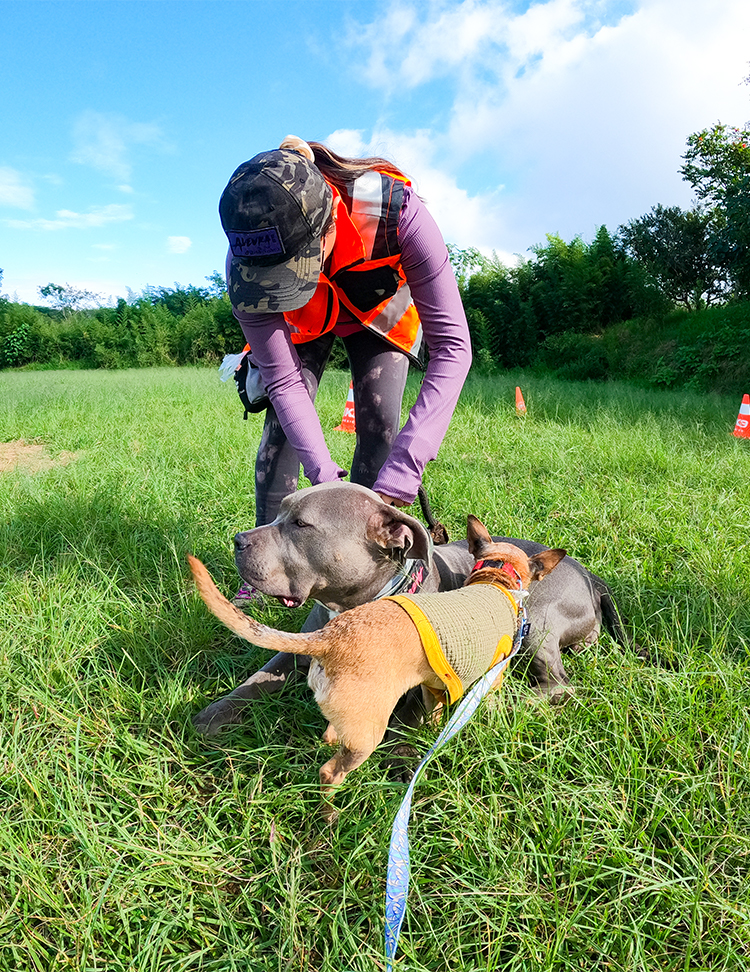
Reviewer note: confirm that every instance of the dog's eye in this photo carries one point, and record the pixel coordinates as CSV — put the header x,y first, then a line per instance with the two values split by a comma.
x,y
301,523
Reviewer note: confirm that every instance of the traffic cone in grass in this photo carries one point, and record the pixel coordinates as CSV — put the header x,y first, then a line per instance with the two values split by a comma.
x,y
520,403
347,422
742,428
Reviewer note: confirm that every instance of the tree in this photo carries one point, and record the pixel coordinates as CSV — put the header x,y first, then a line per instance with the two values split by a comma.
x,y
675,247
218,286
501,322
717,166
584,287
467,262
68,299
178,299
717,162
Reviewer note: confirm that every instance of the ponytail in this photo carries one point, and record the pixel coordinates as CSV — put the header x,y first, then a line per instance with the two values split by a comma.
x,y
340,170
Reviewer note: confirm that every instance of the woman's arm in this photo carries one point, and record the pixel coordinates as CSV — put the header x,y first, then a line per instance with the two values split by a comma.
x,y
435,293
279,364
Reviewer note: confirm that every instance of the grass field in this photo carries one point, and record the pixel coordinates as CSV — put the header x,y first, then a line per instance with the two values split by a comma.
x,y
609,834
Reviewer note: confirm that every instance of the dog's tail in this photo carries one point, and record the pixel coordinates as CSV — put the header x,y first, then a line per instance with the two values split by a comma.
x,y
613,621
247,627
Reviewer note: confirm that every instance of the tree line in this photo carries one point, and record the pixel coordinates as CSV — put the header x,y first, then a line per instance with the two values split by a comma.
x,y
160,326
571,307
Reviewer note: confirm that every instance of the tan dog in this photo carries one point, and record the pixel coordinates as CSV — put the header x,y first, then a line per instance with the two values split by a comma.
x,y
366,658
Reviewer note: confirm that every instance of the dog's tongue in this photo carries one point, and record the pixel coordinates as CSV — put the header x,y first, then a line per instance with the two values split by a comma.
x,y
289,602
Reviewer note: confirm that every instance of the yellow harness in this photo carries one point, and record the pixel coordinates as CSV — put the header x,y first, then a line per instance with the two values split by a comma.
x,y
463,632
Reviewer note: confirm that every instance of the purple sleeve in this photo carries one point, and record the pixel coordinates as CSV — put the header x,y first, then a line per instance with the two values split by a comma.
x,y
275,356
435,292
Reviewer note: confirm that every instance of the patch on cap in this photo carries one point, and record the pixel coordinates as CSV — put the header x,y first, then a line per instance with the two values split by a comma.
x,y
256,243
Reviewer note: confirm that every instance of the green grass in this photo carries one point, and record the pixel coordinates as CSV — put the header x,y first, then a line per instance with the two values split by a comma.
x,y
610,834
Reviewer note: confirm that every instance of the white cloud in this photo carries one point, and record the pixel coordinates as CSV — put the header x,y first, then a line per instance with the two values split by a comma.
x,y
463,219
106,140
67,219
411,45
14,190
595,134
347,142
568,115
179,244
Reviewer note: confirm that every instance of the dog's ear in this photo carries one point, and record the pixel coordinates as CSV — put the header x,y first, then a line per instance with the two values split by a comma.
x,y
392,529
542,563
478,536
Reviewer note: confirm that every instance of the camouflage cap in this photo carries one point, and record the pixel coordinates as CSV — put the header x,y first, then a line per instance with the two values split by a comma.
x,y
274,210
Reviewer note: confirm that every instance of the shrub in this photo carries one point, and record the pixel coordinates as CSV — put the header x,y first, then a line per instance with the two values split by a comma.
x,y
578,357
16,334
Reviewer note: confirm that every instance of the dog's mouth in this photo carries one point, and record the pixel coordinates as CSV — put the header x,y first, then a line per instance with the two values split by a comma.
x,y
290,602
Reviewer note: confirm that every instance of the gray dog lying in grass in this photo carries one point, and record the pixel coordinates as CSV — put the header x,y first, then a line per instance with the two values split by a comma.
x,y
339,544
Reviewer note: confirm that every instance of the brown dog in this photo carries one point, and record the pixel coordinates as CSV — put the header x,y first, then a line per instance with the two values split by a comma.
x,y
366,658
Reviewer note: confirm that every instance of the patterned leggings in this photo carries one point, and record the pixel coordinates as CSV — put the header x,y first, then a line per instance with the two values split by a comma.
x,y
379,377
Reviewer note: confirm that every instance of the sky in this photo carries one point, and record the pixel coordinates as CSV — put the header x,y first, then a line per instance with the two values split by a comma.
x,y
121,121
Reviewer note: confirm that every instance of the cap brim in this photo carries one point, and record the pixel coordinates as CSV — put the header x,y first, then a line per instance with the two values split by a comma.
x,y
274,290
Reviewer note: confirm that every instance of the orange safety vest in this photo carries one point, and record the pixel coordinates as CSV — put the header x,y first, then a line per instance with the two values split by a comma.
x,y
365,274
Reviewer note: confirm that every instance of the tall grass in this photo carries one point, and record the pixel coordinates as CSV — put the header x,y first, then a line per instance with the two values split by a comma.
x,y
611,833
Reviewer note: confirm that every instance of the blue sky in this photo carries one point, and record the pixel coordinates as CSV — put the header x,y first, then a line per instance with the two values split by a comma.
x,y
121,121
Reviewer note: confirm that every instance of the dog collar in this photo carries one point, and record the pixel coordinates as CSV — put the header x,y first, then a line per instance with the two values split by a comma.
x,y
502,565
408,580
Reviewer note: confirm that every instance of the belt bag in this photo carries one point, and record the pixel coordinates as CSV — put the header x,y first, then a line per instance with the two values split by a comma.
x,y
247,378
250,387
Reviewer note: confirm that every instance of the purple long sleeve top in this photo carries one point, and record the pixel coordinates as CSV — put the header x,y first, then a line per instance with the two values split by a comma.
x,y
428,272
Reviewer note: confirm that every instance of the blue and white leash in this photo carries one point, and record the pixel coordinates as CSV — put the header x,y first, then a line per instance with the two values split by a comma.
x,y
397,881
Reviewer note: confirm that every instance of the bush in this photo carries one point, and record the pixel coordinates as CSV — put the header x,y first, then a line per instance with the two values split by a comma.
x,y
577,357
706,350
207,332
16,334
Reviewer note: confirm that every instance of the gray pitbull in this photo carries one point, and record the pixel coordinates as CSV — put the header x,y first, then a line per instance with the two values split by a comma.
x,y
341,545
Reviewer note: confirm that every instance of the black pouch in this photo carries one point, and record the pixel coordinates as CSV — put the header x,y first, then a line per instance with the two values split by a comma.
x,y
366,288
250,387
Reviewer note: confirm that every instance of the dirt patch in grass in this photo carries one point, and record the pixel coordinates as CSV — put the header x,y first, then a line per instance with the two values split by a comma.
x,y
30,458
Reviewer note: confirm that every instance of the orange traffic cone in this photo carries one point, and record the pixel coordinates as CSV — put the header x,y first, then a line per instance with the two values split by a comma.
x,y
520,403
347,422
742,428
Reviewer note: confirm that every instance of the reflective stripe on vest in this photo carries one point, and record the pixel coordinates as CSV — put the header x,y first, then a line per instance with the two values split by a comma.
x,y
367,200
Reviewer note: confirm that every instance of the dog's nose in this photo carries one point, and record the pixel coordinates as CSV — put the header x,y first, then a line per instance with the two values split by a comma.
x,y
240,541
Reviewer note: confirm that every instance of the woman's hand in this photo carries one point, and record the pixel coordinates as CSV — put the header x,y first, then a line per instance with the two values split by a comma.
x,y
391,500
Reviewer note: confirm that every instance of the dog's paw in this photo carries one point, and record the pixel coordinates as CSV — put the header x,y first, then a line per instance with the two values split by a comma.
x,y
557,694
210,721
330,737
401,762
328,812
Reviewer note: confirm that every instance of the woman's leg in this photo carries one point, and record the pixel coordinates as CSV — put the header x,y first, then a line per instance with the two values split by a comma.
x,y
277,464
379,376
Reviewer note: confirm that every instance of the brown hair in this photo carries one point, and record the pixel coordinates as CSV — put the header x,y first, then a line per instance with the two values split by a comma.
x,y
339,170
